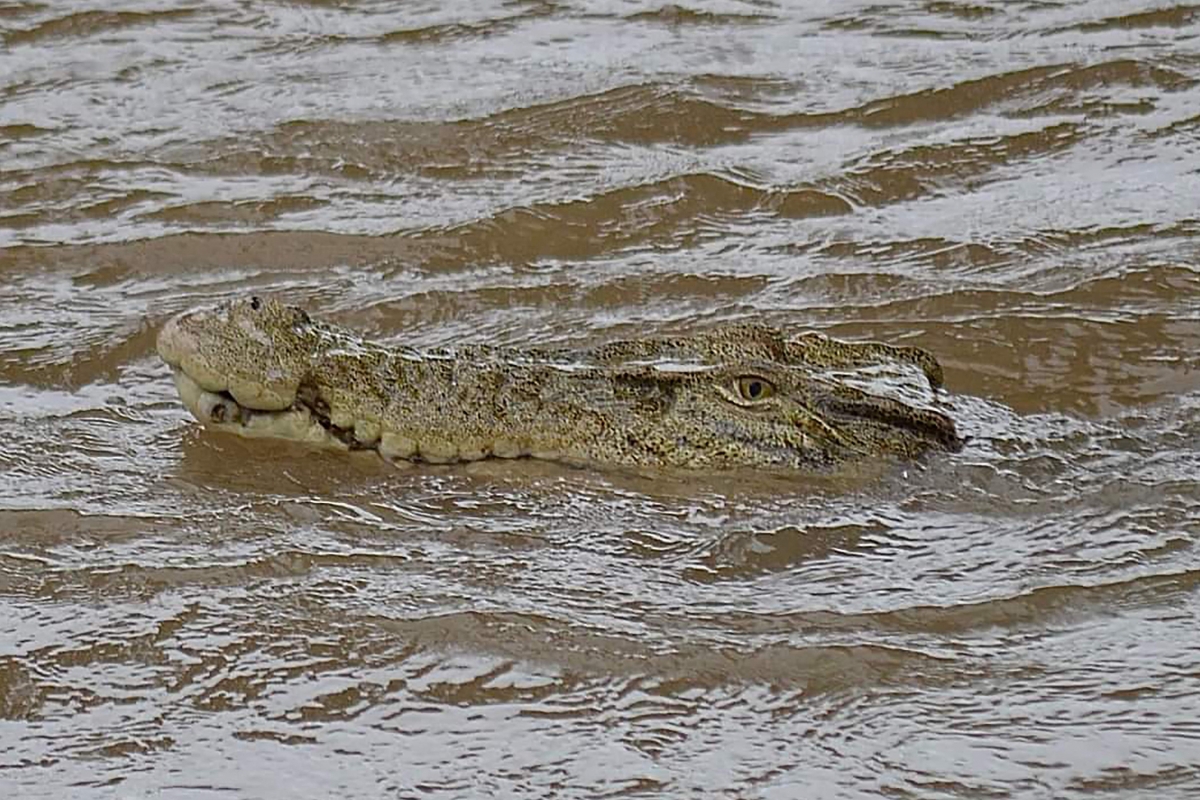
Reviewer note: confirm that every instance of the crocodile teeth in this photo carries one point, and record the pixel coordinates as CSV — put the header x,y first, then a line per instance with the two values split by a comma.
x,y
217,408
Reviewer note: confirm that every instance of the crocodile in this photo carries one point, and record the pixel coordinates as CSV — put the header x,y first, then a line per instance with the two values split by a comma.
x,y
743,395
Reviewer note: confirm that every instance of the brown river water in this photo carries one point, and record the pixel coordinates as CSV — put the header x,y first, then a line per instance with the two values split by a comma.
x,y
1013,185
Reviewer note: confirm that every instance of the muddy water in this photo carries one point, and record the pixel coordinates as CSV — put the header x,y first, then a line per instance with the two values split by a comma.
x,y
1012,185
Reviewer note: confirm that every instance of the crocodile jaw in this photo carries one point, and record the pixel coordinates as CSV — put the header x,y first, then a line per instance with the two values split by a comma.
x,y
221,411
261,408
264,370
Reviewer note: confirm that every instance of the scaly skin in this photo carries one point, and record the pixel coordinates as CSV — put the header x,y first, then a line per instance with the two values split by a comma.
x,y
740,396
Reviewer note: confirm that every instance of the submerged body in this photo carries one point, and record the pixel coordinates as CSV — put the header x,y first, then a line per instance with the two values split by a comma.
x,y
744,395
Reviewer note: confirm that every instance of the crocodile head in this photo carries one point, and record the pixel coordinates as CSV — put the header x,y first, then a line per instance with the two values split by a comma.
x,y
238,367
256,351
740,396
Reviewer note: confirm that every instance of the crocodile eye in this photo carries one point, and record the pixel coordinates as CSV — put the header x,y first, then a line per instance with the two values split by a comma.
x,y
753,388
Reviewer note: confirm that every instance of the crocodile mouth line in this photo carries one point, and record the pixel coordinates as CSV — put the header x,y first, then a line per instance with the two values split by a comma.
x,y
307,419
308,398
